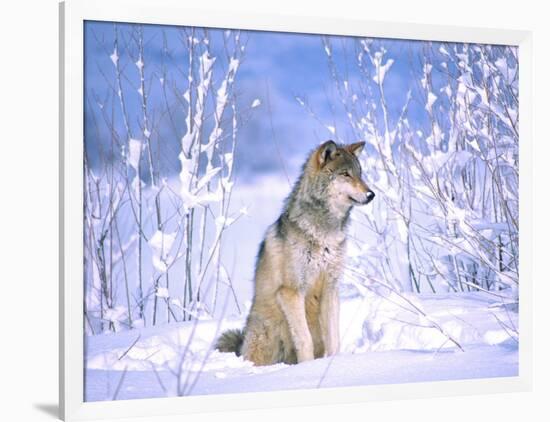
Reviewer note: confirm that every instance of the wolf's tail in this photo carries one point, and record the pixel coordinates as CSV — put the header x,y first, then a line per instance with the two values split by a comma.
x,y
231,341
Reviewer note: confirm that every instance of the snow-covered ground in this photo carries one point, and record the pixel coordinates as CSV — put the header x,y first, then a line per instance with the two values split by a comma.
x,y
386,338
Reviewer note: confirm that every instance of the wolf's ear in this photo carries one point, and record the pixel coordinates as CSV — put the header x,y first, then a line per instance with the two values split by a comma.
x,y
355,148
325,153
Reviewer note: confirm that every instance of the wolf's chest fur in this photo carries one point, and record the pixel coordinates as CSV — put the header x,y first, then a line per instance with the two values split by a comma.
x,y
314,256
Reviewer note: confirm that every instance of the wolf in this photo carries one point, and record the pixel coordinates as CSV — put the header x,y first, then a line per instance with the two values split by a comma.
x,y
294,315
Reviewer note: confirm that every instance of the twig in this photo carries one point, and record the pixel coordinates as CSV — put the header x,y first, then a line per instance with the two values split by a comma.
x,y
129,348
122,377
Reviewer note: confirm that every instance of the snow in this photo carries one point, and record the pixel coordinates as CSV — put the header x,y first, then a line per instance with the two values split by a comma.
x,y
221,99
256,103
134,153
382,341
228,158
381,69
162,242
233,65
193,199
159,264
114,57
496,336
502,66
209,174
222,222
114,314
206,65
163,292
430,101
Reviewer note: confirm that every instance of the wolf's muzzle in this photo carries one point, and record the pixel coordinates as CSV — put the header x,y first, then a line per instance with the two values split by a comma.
x,y
365,199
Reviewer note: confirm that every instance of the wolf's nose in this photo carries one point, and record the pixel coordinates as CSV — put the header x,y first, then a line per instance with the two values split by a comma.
x,y
370,195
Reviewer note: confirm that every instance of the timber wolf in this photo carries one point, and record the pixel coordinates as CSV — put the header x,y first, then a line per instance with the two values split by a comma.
x,y
295,311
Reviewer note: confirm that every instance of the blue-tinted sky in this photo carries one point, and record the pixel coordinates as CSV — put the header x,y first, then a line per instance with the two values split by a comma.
x,y
276,68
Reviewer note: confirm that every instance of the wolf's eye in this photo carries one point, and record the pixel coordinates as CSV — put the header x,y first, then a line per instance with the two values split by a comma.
x,y
346,174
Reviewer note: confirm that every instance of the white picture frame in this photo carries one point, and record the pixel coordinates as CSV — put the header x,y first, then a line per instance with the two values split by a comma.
x,y
73,13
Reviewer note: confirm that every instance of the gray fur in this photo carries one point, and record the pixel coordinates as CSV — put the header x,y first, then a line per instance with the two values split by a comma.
x,y
231,341
295,311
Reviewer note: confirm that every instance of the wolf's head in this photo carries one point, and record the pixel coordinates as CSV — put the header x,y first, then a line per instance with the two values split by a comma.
x,y
338,173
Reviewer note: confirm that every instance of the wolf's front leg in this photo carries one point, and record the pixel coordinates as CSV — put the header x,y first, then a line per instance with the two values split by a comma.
x,y
292,303
329,318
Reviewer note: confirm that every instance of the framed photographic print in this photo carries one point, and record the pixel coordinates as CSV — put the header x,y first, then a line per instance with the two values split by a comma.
x,y
263,210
